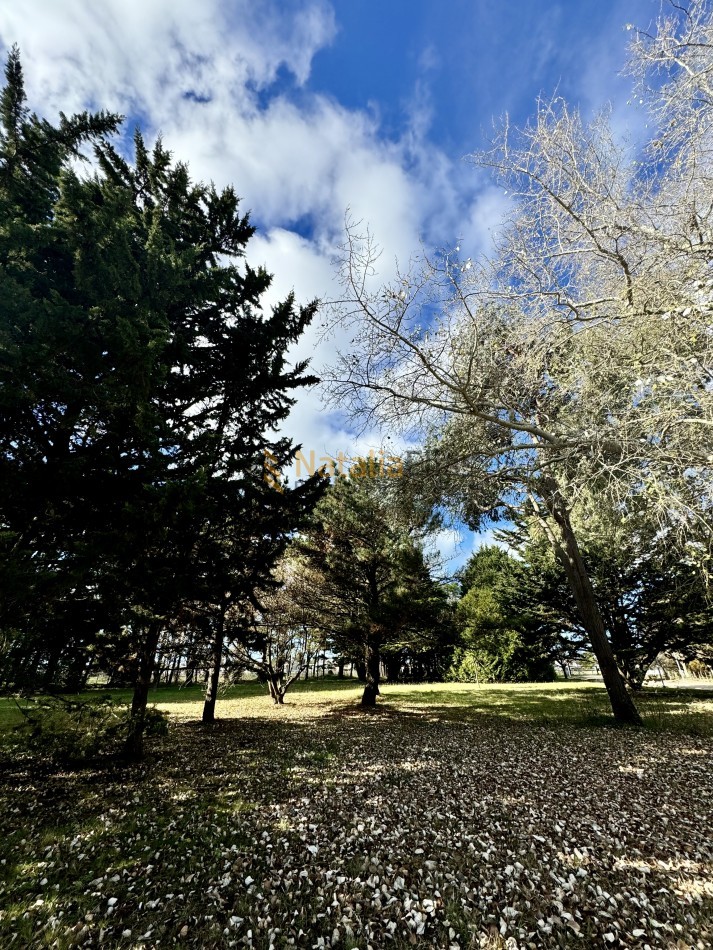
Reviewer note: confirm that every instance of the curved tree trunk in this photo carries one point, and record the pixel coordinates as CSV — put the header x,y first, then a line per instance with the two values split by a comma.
x,y
569,555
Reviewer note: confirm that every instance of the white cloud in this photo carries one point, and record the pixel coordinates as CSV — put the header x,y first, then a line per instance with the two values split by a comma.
x,y
139,55
306,267
487,538
486,214
210,78
227,84
295,263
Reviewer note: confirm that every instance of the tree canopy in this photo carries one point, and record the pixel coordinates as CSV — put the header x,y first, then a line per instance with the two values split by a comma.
x,y
142,383
369,580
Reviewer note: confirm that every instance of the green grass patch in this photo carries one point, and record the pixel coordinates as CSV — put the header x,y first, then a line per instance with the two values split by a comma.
x,y
574,703
581,703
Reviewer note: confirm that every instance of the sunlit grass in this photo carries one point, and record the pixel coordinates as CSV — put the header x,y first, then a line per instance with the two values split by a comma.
x,y
583,703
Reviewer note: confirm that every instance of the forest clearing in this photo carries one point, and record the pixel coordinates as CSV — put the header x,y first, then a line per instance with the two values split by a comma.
x,y
356,475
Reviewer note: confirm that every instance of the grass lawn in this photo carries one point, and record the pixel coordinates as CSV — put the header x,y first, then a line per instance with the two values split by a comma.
x,y
452,816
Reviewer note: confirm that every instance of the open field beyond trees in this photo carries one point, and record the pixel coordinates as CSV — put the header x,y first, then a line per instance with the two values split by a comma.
x,y
451,816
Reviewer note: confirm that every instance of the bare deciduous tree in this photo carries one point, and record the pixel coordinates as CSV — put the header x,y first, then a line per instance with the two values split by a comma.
x,y
269,641
579,354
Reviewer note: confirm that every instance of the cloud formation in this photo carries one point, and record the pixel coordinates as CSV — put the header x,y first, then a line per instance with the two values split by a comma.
x,y
228,85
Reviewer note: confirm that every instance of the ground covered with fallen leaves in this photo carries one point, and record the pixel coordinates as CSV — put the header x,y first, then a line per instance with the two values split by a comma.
x,y
438,820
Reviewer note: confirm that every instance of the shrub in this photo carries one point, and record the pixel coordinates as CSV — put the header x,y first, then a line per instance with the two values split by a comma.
x,y
699,668
75,731
519,665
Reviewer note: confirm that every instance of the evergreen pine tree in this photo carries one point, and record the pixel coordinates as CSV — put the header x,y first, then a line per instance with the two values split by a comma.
x,y
143,382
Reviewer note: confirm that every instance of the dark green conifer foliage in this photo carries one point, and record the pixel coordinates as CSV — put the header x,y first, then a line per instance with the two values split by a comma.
x,y
142,381
371,583
42,341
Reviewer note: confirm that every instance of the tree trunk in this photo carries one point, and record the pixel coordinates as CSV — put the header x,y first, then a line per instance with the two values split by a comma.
x,y
134,746
340,668
570,557
192,661
372,666
173,671
158,671
211,694
50,675
78,673
393,668
360,667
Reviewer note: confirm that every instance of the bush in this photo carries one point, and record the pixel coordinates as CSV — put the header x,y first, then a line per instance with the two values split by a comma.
x,y
519,665
75,731
467,667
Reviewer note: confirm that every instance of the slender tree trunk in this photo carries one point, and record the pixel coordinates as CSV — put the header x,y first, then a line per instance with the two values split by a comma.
x,y
340,668
393,668
211,694
360,667
570,557
159,667
372,663
191,660
134,746
172,670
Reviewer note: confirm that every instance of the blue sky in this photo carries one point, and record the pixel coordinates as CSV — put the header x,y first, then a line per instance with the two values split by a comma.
x,y
469,61
309,107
